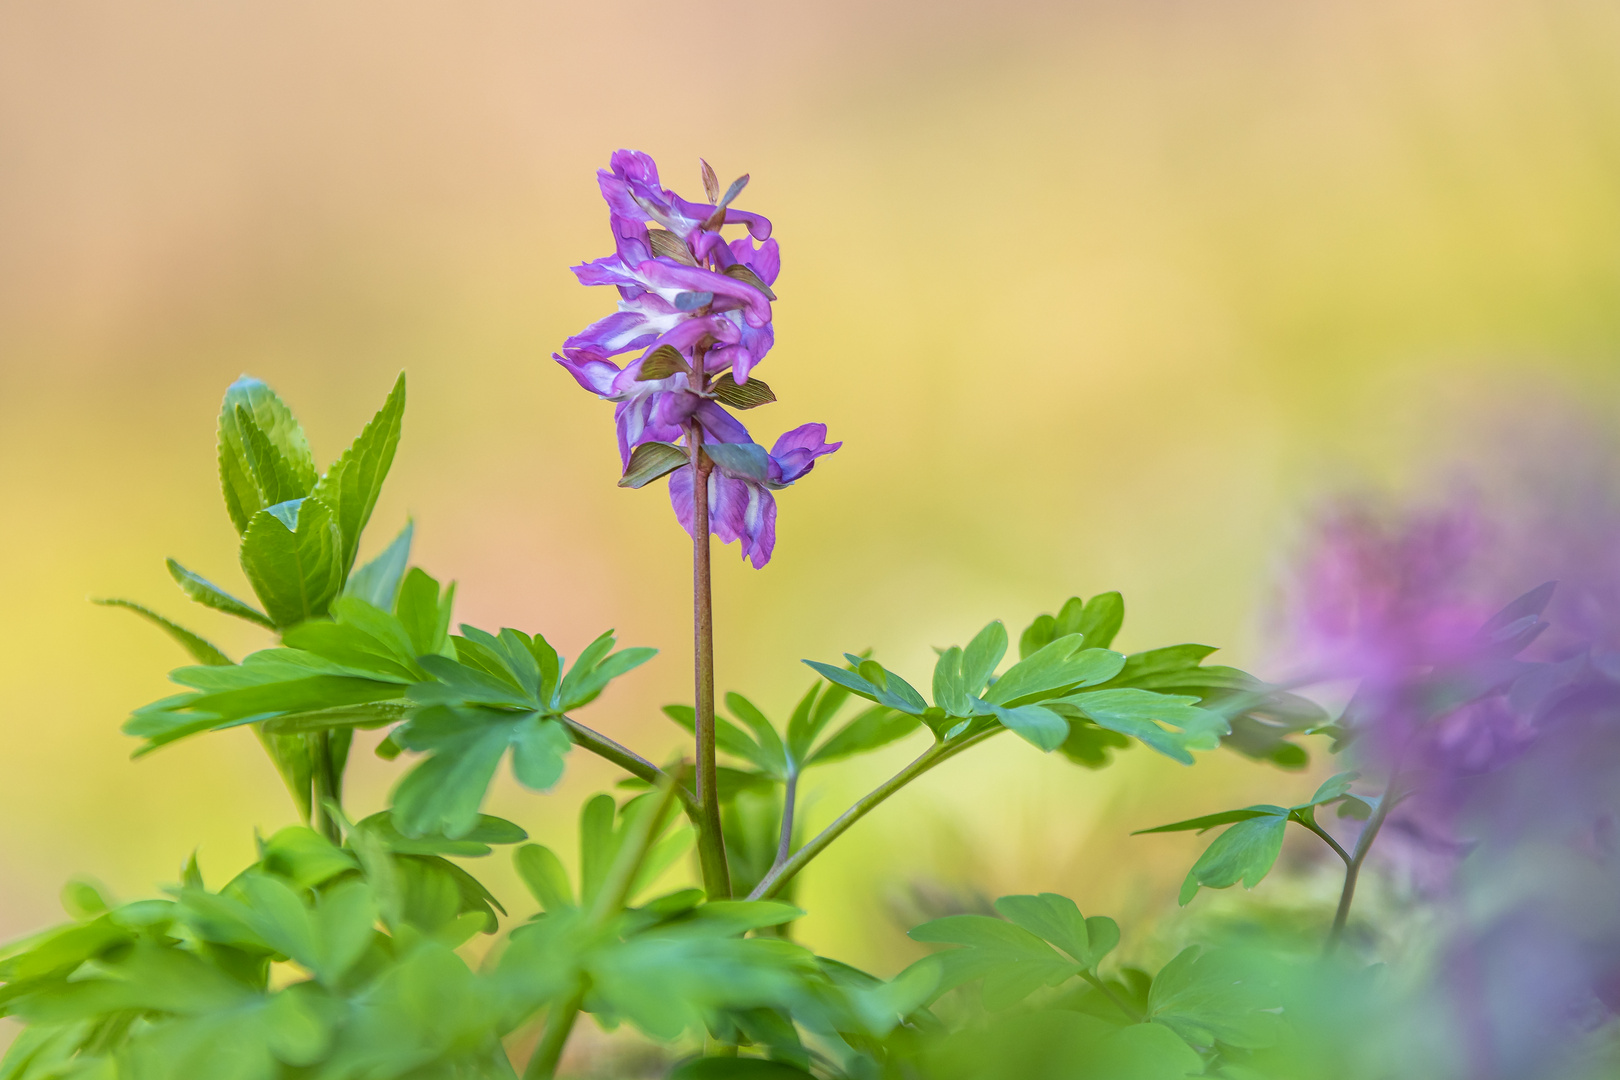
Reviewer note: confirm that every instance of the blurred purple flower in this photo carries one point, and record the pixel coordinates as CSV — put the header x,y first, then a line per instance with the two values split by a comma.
x,y
740,486
684,287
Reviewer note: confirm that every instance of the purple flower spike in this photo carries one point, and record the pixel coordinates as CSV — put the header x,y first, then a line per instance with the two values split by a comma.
x,y
697,306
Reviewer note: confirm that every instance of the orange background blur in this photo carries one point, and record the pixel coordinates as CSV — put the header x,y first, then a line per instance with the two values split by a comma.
x,y
1098,296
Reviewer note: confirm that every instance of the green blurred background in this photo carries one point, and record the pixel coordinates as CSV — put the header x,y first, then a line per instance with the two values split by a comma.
x,y
1098,295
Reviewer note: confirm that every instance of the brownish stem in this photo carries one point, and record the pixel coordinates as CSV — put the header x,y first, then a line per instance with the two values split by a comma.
x,y
711,843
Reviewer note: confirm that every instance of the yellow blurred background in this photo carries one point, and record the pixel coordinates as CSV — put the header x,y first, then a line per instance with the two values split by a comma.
x,y
1098,295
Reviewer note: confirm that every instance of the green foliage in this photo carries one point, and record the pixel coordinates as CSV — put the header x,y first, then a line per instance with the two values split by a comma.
x,y
1014,955
334,956
1247,851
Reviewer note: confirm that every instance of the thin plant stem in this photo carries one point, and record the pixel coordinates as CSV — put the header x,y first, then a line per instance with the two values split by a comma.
x,y
1352,869
711,841
1338,849
1135,1014
628,760
610,900
775,881
790,794
559,1025
325,787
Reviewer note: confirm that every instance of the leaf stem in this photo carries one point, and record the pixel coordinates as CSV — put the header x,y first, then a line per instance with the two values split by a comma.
x,y
610,900
711,842
775,881
790,795
1310,823
325,787
1352,869
628,760
559,1025
1136,1015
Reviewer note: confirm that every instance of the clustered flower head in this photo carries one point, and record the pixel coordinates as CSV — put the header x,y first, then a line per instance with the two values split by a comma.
x,y
697,309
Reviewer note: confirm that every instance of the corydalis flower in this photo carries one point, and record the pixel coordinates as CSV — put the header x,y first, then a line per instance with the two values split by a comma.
x,y
740,486
681,285
699,308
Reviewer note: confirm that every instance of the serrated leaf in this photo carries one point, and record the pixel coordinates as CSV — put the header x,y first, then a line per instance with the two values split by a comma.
x,y
442,794
295,571
378,581
206,593
271,419
651,460
199,650
750,395
351,485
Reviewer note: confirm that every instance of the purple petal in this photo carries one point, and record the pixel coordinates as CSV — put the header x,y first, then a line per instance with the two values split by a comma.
x,y
673,278
797,450
589,368
719,425
766,261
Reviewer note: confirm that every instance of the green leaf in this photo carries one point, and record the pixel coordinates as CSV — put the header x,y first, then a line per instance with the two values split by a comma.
x,y
208,594
351,485
538,749
1087,744
1035,724
949,692
489,830
274,422
1101,620
1333,788
651,460
1218,995
1245,852
770,743
871,729
200,650
1057,920
664,361
1059,666
728,738
738,1068
545,877
1012,961
1142,715
294,567
1209,821
874,682
377,582
750,395
441,796
1036,636
983,655
741,459
595,668
425,614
